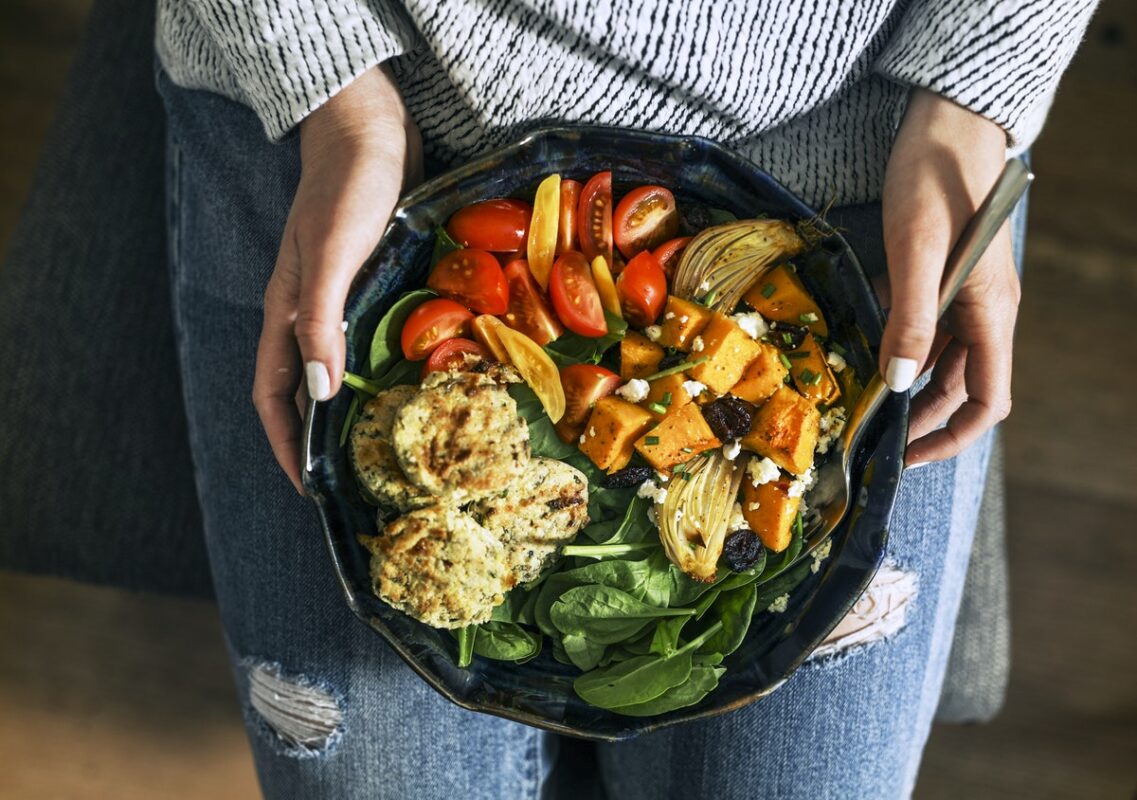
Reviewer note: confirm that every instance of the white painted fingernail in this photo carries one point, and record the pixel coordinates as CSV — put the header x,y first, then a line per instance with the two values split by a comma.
x,y
916,465
319,384
900,374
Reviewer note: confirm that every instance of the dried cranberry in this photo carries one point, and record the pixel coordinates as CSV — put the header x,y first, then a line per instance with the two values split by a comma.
x,y
671,358
787,336
628,476
728,417
742,549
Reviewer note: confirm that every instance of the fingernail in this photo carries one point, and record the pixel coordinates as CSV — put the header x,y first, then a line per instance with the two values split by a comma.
x,y
916,465
319,384
900,374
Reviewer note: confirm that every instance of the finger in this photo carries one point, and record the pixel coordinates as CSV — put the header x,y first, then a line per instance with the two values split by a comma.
x,y
916,251
278,376
945,392
987,377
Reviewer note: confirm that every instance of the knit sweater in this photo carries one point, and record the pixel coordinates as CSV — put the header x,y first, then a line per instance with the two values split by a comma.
x,y
811,90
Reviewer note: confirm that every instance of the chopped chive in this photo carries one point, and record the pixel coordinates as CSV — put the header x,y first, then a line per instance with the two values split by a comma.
x,y
688,450
787,379
658,408
683,365
806,376
788,338
666,398
807,317
816,379
768,290
838,349
798,354
710,298
785,361
652,440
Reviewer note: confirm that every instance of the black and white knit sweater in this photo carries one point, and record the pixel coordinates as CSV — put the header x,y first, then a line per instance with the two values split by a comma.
x,y
811,90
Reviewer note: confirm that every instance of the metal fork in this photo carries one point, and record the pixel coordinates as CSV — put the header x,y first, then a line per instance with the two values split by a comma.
x,y
830,494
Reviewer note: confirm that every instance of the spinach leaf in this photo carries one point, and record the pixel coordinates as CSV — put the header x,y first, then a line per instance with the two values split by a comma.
x,y
572,348
352,416
584,653
734,610
776,567
639,679
505,641
511,609
543,438
702,681
465,637
386,347
685,590
604,614
633,527
443,244
401,372
706,601
737,579
665,640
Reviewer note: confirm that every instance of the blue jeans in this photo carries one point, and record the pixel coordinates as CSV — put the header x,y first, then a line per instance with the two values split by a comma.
x,y
850,725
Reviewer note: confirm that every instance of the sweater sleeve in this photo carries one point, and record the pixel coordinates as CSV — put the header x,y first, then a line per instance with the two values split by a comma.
x,y
999,58
289,56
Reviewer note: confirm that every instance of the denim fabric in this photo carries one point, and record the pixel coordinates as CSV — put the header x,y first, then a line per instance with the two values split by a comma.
x,y
849,726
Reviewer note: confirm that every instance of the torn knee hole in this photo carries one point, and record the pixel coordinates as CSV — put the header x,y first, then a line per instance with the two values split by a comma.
x,y
303,714
879,614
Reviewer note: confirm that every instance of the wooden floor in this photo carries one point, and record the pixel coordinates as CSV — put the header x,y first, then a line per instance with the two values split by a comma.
x,y
108,694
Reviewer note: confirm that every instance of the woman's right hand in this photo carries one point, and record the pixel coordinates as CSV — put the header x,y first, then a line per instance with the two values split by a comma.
x,y
357,153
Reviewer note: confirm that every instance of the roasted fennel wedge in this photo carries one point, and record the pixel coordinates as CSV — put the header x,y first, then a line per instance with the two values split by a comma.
x,y
695,513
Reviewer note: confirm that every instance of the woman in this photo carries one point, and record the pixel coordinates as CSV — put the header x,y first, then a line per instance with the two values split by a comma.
x,y
912,105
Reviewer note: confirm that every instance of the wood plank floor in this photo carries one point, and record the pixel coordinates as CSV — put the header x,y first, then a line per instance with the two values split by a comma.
x,y
108,694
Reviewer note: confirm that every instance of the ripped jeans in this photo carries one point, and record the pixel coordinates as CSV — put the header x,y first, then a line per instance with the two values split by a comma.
x,y
332,712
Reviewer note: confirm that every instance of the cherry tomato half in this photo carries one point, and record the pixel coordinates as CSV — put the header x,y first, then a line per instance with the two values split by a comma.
x,y
584,384
452,353
500,225
566,231
642,287
528,312
431,324
574,296
669,253
645,218
594,217
473,278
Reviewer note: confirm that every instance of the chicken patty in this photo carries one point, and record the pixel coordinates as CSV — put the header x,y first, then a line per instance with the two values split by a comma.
x,y
461,437
377,470
440,566
544,509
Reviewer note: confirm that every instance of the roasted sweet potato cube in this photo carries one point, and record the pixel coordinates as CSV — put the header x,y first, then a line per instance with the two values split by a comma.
x,y
728,350
779,295
612,429
682,322
812,375
639,356
770,511
668,392
785,429
680,437
763,377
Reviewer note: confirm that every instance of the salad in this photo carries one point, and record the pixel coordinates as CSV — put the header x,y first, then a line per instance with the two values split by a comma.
x,y
593,431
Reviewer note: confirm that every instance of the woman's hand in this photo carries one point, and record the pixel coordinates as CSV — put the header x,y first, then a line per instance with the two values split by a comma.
x,y
357,151
943,163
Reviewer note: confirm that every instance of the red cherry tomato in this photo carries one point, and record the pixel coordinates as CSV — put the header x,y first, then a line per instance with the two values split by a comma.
x,y
669,253
452,353
528,312
473,278
566,230
575,297
431,324
594,217
642,287
497,225
645,218
584,384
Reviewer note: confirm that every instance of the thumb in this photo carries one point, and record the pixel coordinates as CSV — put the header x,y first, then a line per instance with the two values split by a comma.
x,y
324,283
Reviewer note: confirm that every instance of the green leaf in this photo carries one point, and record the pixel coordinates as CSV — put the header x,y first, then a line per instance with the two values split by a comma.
x,y
386,346
401,372
584,653
465,637
685,590
543,438
572,348
634,526
443,244
665,640
628,576
702,681
634,681
349,420
601,551
604,614
505,641
737,579
734,610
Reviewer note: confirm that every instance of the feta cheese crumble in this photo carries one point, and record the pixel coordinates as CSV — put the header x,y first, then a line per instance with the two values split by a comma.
x,y
832,424
730,450
836,360
694,388
705,285
649,489
653,332
801,483
634,390
781,602
752,324
737,520
697,344
819,555
762,471
669,315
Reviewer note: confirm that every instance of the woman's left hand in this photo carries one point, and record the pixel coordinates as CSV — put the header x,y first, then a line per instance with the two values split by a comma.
x,y
944,161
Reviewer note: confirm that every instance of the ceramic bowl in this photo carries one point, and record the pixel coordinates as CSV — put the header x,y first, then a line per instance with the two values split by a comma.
x,y
701,173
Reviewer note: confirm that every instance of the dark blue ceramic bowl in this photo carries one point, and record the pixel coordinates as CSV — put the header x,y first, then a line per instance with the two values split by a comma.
x,y
702,174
